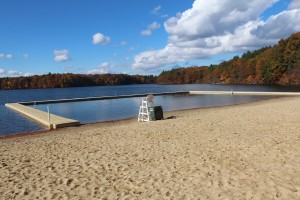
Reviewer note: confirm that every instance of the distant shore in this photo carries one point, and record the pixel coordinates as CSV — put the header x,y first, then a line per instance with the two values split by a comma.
x,y
248,151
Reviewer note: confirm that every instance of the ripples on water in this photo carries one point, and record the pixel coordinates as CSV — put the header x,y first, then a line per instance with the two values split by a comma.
x,y
11,122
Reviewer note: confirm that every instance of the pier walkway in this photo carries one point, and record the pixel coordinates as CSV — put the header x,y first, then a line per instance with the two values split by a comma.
x,y
43,117
247,93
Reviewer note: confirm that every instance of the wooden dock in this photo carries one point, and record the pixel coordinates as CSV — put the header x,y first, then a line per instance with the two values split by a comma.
x,y
99,98
246,93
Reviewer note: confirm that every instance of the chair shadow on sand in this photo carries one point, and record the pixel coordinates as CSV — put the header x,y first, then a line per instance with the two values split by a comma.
x,y
171,117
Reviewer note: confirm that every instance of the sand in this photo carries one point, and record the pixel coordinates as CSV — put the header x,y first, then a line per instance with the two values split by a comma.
x,y
249,151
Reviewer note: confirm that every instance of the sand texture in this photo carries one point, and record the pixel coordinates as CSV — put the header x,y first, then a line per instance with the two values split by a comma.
x,y
249,151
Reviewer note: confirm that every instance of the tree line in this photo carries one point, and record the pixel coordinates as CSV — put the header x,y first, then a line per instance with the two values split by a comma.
x,y
72,80
279,65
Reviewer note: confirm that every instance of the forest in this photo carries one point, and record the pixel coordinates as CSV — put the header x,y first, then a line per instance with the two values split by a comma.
x,y
72,80
279,65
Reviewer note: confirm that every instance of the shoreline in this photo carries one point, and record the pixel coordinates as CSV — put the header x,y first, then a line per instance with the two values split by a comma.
x,y
125,119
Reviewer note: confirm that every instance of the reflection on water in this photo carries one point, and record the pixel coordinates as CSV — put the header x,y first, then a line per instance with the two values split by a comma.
x,y
105,110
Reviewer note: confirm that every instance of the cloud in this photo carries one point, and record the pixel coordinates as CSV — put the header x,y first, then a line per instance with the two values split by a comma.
x,y
153,26
14,73
150,28
146,32
214,27
7,56
26,56
214,17
272,28
103,68
156,10
123,43
61,55
99,38
148,60
295,4
28,74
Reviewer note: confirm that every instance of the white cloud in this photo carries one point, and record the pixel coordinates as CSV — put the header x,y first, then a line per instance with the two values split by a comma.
x,y
273,27
61,55
153,26
103,68
99,38
28,74
156,10
14,73
9,56
214,27
26,56
123,43
146,32
150,28
214,17
295,4
148,60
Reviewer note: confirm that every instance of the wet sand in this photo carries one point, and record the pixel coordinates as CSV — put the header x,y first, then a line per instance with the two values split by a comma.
x,y
249,151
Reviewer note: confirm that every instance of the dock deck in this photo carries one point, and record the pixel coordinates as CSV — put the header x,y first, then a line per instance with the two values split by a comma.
x,y
246,93
98,98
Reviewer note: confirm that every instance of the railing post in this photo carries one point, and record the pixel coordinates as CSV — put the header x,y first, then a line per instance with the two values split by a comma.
x,y
48,115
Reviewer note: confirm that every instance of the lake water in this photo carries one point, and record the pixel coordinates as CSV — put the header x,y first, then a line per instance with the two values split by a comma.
x,y
94,111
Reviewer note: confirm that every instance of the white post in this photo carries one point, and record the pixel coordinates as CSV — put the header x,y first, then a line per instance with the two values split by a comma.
x,y
231,92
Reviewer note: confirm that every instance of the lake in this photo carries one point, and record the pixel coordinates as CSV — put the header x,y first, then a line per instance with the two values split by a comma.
x,y
104,110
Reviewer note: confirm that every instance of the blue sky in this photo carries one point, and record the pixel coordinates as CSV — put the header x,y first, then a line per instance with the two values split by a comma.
x,y
136,36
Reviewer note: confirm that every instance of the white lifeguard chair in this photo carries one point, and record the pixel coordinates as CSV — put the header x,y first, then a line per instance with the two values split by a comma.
x,y
144,115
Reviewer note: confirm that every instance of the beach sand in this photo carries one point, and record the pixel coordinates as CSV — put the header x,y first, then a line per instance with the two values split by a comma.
x,y
249,151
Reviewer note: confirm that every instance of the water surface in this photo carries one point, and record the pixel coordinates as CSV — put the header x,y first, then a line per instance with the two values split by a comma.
x,y
11,122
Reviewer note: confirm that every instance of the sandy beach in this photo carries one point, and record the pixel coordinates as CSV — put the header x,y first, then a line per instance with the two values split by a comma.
x,y
249,151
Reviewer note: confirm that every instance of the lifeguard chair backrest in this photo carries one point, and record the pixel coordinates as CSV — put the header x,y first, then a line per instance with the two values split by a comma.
x,y
150,98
